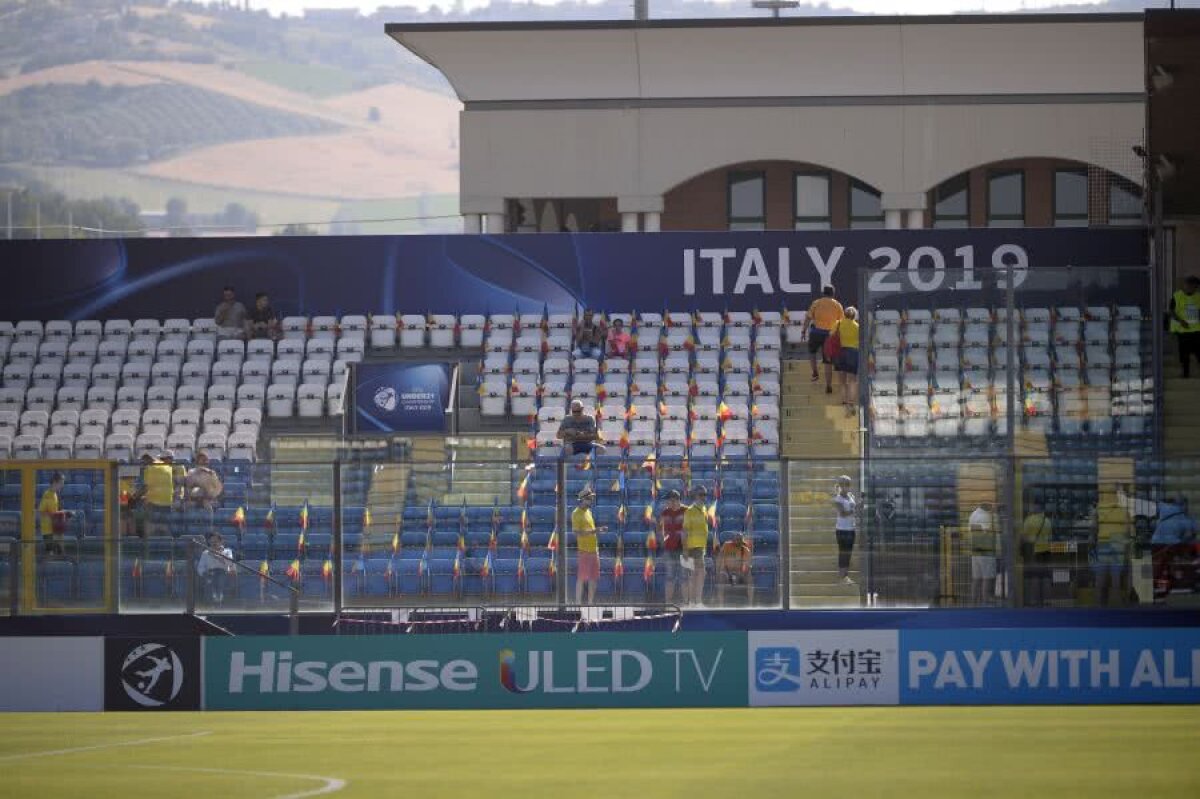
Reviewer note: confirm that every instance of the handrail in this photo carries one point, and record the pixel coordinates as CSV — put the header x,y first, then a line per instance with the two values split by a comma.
x,y
198,545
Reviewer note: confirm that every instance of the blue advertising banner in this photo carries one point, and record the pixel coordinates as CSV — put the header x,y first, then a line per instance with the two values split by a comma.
x,y
162,278
401,397
1049,666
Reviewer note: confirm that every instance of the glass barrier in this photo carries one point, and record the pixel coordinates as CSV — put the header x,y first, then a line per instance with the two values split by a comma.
x,y
274,521
947,367
1063,529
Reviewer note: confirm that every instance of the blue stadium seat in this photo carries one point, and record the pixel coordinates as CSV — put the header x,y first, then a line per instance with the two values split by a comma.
x,y
765,517
285,546
473,582
314,583
251,588
410,580
764,570
445,539
413,539
318,545
160,548
765,541
10,523
766,488
539,581
415,518
352,545
90,581
55,582
255,547
155,581
377,578
505,579
441,580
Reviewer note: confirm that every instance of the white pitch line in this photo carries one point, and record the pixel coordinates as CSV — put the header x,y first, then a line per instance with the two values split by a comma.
x,y
72,750
332,784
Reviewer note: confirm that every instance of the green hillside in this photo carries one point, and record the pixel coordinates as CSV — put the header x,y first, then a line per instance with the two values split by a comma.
x,y
94,125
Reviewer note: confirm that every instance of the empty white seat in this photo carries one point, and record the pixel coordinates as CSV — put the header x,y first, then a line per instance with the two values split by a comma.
x,y
470,331
119,447
190,397
39,398
383,331
247,417
256,372
29,329
195,373
442,330
12,399
212,444
27,446
412,330
310,400
136,374
183,444
112,350
58,328
353,326
205,327
35,421
160,395
316,371
334,400
320,348
172,329
88,446
165,372
286,370
149,443
54,349
47,375
290,349
71,398
222,395
231,350
141,349
294,327
260,349
226,373
241,446
200,349
281,398
184,417
351,349
171,350
251,395
83,350
94,420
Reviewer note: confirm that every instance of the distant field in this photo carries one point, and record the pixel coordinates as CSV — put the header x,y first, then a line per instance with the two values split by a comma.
x,y
922,753
315,80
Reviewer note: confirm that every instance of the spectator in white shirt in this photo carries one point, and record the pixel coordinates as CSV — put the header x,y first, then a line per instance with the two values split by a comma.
x,y
215,564
843,528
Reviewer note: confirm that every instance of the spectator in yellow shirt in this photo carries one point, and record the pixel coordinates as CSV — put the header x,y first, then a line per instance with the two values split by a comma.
x,y
823,314
157,491
587,548
50,516
1110,547
695,544
847,360
1036,533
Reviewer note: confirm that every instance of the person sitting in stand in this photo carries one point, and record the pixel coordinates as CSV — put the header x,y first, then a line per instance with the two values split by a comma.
x,y
579,433
263,322
230,315
733,567
619,339
216,562
589,336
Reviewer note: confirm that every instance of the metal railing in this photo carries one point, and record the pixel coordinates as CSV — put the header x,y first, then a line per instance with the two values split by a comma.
x,y
198,583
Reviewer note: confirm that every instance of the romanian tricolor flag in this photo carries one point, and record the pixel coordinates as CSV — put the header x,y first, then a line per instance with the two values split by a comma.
x,y
553,545
723,412
457,566
619,568
366,520
621,515
293,570
523,488
648,513
650,464
651,542
524,540
585,464
423,566
521,567
712,514
396,541
495,519
492,542
486,569
462,542
269,520
239,518
623,442
327,570
648,569
429,516
136,571
264,569
304,516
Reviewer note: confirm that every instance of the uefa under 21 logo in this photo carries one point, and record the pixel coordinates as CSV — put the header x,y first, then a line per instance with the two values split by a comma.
x,y
386,398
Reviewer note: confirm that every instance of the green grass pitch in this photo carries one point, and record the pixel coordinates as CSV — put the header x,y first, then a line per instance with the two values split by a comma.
x,y
748,754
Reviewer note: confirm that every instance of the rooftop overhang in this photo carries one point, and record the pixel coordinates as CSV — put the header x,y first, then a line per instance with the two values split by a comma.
x,y
910,58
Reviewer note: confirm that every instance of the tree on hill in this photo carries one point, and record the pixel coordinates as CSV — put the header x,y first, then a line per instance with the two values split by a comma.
x,y
38,209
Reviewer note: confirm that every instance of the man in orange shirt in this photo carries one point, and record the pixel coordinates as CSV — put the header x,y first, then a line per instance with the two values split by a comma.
x,y
823,316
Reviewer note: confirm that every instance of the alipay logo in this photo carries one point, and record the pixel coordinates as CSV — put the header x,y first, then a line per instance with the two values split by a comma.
x,y
777,669
386,398
152,675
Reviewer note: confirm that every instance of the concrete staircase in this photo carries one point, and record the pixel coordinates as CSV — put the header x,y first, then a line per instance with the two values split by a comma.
x,y
814,424
1182,424
817,431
